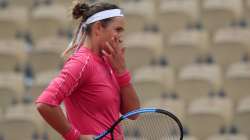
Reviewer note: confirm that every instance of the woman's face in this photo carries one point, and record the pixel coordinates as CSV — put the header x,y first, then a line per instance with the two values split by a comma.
x,y
114,29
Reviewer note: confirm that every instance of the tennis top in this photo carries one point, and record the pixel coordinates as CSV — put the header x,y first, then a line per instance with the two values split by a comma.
x,y
90,92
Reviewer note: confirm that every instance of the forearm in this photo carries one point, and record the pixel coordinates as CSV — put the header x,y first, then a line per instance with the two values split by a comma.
x,y
54,117
129,99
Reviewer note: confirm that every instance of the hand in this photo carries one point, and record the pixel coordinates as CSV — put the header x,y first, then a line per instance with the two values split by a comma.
x,y
115,54
87,137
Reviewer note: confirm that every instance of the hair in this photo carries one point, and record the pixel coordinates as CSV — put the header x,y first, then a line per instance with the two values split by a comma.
x,y
82,11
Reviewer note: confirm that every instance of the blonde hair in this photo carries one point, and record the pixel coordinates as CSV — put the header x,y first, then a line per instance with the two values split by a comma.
x,y
72,46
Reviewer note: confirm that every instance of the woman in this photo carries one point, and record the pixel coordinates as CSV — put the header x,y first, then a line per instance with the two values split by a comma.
x,y
94,83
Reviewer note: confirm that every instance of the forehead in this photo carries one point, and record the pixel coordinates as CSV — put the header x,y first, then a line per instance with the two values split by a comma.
x,y
118,21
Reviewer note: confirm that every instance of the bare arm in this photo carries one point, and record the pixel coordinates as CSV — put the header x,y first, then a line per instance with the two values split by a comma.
x,y
116,57
129,100
54,117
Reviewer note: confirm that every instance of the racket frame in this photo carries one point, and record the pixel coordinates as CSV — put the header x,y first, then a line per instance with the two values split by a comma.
x,y
140,111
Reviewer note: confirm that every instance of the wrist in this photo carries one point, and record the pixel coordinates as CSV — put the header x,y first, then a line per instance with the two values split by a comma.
x,y
121,71
72,134
123,78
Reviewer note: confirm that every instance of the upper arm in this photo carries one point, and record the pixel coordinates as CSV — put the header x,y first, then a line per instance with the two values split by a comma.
x,y
73,72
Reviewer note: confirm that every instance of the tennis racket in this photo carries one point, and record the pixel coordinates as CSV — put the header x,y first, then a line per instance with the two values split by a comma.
x,y
152,124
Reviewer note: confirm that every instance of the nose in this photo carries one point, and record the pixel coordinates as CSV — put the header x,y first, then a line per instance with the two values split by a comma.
x,y
120,40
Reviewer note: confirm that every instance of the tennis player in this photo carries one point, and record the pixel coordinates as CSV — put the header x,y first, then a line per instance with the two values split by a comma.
x,y
94,84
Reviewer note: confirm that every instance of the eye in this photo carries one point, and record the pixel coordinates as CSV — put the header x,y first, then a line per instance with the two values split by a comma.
x,y
119,29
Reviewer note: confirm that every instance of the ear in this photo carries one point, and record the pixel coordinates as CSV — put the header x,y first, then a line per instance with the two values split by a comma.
x,y
97,28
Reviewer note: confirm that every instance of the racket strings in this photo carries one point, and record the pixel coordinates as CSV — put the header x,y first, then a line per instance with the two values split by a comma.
x,y
151,126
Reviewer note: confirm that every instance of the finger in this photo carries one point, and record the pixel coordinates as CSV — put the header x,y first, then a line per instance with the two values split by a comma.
x,y
118,42
110,48
113,44
109,56
123,49
116,39
105,53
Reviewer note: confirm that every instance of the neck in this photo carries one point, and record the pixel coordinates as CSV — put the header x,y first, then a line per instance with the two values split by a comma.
x,y
89,43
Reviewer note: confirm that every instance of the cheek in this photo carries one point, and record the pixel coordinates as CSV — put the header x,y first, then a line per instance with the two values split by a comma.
x,y
106,37
110,33
103,45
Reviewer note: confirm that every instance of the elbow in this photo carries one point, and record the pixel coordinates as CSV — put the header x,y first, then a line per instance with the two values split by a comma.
x,y
133,117
136,116
41,107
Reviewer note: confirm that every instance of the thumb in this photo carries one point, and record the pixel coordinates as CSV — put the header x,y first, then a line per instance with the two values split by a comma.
x,y
123,49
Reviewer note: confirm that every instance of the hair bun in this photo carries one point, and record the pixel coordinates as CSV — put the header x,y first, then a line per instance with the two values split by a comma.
x,y
80,10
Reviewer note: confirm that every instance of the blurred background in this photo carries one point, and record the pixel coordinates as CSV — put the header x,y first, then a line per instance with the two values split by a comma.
x,y
191,57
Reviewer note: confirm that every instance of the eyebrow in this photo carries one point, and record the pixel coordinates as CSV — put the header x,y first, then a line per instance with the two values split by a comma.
x,y
120,28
